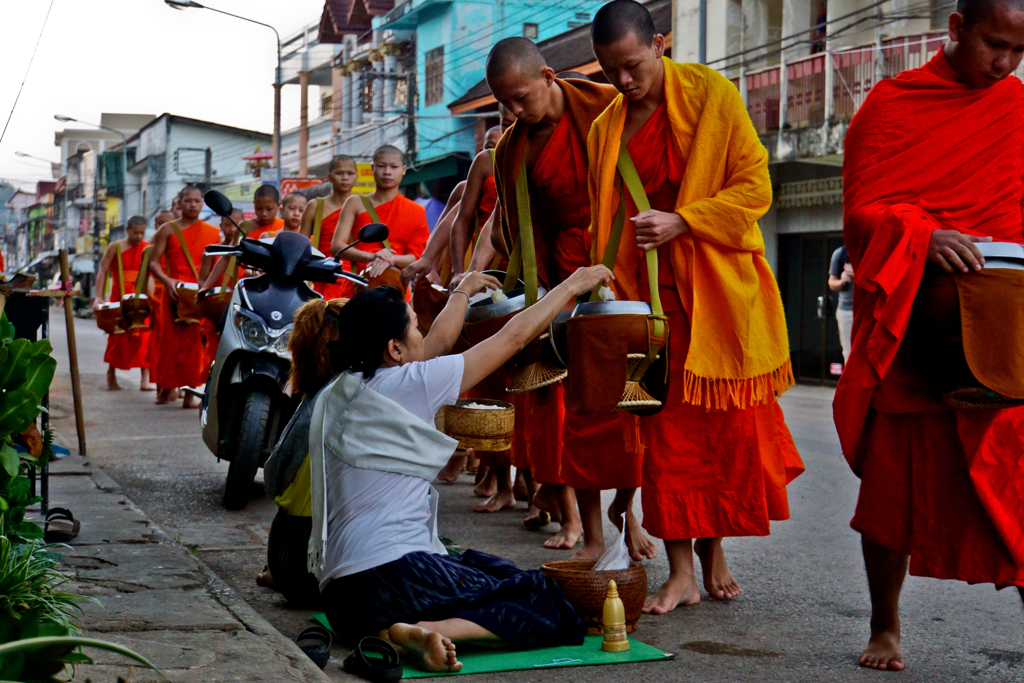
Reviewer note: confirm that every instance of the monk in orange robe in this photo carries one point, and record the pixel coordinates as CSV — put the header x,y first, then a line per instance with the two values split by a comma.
x,y
548,140
406,221
177,249
129,349
266,202
718,456
942,489
342,174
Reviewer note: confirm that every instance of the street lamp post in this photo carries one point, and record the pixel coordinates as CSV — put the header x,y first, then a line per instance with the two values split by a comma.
x,y
189,4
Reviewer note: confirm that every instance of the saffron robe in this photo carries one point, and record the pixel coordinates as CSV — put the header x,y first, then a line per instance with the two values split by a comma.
x,y
180,356
337,290
944,486
131,349
408,231
259,231
707,471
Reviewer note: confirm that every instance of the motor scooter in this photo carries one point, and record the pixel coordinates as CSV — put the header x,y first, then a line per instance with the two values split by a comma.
x,y
246,405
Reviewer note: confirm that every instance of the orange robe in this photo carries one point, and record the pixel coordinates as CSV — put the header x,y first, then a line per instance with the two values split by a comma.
x,y
944,486
596,451
261,230
407,231
131,349
180,357
716,461
328,224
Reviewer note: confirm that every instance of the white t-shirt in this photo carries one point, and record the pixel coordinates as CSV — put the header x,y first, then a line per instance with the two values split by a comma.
x,y
377,517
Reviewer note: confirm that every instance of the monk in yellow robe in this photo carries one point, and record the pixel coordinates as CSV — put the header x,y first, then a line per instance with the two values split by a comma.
x,y
177,251
123,259
718,456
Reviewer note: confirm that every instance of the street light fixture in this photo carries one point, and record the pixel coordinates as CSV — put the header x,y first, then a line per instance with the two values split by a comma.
x,y
189,4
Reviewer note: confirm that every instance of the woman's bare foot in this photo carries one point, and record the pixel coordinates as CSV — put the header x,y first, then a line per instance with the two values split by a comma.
x,y
501,500
718,582
487,487
436,652
678,590
449,474
640,546
472,464
112,384
884,651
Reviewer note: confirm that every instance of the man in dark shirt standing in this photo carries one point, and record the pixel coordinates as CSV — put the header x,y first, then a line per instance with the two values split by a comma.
x,y
840,279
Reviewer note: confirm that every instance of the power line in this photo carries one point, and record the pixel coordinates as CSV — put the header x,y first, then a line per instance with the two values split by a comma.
x,y
31,59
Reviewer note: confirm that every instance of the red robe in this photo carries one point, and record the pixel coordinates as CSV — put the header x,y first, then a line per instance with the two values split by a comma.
x,y
596,451
941,485
259,231
341,289
131,349
488,200
180,357
408,230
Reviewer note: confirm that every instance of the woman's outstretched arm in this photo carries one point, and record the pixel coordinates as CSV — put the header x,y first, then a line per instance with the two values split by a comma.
x,y
489,355
448,324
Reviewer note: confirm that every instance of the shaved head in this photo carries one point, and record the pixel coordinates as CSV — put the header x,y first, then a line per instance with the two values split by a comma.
x,y
268,191
620,18
389,149
574,74
975,11
514,54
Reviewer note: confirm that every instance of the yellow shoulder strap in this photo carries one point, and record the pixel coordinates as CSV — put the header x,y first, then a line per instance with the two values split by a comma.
x,y
318,219
143,279
184,248
374,216
120,268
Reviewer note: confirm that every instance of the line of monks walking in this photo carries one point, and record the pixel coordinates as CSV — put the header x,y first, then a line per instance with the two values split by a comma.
x,y
664,159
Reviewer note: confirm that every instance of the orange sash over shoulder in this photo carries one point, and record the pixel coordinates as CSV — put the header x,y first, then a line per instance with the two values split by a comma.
x,y
264,230
739,350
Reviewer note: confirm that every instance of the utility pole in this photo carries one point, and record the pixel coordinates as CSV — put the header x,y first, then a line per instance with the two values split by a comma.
x,y
208,170
97,222
410,116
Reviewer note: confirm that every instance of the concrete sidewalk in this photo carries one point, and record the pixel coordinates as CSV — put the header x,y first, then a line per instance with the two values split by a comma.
x,y
157,598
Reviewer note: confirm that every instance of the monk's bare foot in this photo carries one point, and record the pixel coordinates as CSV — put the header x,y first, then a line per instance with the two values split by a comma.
x,y
519,488
678,590
546,498
144,384
718,582
502,500
449,474
436,652
191,402
488,487
536,518
884,651
147,387
163,396
640,546
112,384
566,538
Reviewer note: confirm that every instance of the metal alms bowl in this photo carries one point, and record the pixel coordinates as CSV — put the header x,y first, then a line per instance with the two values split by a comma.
x,y
487,309
557,331
1002,254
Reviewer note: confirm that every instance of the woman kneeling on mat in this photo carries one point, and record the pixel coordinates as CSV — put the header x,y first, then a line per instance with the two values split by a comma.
x,y
374,451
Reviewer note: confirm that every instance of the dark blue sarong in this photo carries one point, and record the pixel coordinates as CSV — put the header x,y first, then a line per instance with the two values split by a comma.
x,y
523,607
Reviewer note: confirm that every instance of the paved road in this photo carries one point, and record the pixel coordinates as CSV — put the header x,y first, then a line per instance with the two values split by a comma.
x,y
803,615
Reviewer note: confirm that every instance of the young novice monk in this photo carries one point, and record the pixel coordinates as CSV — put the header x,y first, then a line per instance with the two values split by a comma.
x,y
130,349
177,249
934,163
718,457
266,204
406,220
342,174
548,143
373,453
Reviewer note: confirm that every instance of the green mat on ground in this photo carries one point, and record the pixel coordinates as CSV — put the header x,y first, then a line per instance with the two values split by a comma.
x,y
587,654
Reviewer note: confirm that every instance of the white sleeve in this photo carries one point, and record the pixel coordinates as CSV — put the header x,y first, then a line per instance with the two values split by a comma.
x,y
442,380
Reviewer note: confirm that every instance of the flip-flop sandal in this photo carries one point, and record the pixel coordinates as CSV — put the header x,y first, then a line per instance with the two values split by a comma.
x,y
61,526
374,659
315,641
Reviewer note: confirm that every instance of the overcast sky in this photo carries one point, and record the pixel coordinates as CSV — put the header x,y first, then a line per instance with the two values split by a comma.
x,y
138,57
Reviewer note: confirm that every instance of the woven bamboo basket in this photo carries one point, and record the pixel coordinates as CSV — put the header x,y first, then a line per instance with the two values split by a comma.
x,y
586,589
480,429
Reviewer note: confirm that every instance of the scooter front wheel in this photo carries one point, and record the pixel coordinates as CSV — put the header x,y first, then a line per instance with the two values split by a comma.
x,y
254,424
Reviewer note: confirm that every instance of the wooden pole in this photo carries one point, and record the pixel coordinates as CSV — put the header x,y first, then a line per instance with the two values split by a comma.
x,y
69,317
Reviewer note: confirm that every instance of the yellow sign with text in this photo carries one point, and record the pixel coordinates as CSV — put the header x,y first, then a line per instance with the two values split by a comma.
x,y
364,181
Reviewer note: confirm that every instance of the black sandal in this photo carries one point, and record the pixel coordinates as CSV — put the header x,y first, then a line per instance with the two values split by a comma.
x,y
61,526
384,668
318,648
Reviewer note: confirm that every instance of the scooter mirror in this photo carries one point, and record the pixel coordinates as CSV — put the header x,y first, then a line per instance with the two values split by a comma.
x,y
220,204
372,232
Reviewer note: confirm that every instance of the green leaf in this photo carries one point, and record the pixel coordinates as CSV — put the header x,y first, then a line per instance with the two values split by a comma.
x,y
28,530
77,658
18,409
33,644
6,329
14,370
10,461
39,374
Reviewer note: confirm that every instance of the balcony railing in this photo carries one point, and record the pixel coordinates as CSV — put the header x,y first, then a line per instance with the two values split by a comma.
x,y
830,85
